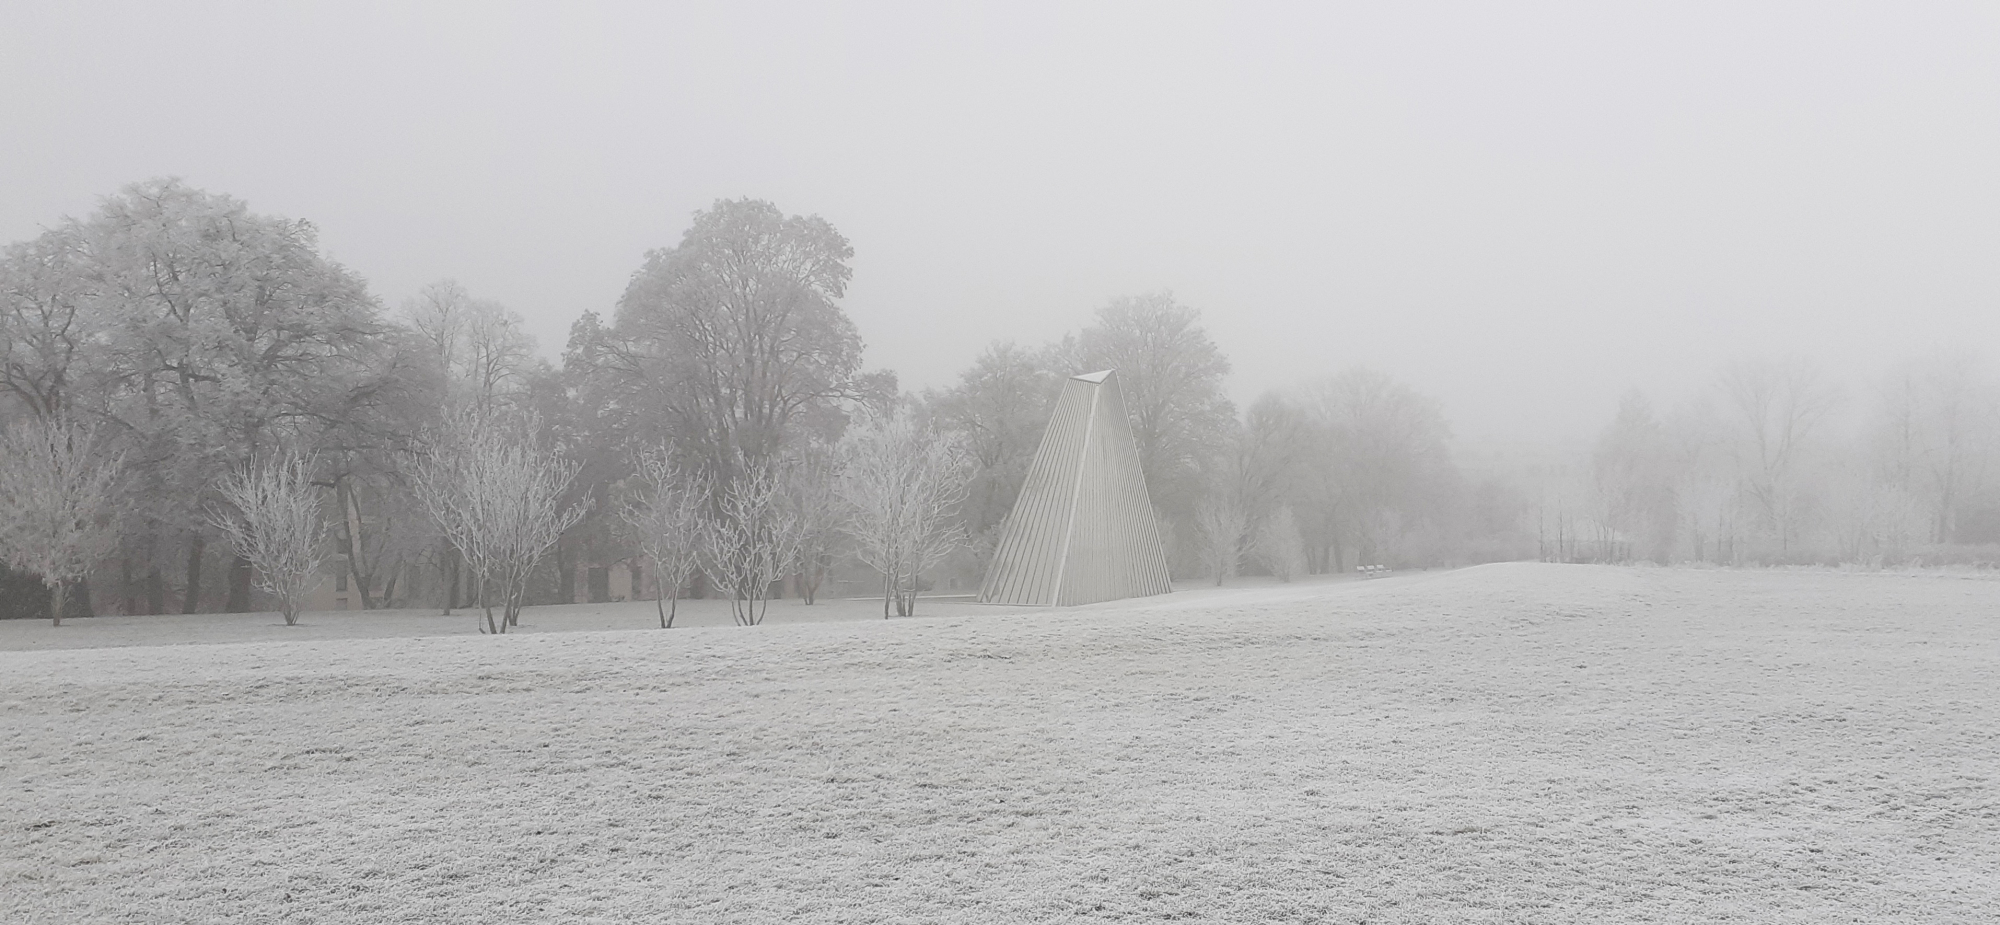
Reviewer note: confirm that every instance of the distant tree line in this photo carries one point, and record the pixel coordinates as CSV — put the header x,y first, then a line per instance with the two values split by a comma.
x,y
1772,462
201,411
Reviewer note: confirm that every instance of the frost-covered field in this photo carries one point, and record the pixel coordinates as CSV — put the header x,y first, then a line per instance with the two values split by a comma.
x,y
1531,743
176,629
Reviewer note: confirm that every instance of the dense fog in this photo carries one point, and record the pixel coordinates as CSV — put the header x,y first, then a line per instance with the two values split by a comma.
x,y
1412,288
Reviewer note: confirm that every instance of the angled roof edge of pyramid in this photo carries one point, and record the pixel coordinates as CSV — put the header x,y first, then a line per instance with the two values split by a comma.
x,y
1096,377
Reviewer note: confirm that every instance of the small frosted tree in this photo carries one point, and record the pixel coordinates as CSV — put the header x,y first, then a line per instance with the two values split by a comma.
x,y
56,497
903,483
668,521
750,540
1224,529
276,523
1279,546
495,492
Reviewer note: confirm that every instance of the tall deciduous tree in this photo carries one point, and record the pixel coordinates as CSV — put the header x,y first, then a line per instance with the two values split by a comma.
x,y
1172,375
226,334
735,336
57,485
46,322
482,347
1777,408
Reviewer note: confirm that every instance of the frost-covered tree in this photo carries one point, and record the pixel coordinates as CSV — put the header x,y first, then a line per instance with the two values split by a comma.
x,y
1936,433
1776,409
997,411
495,491
750,540
1634,480
224,333
274,520
1278,546
812,493
57,497
1172,375
480,345
668,520
1379,464
903,482
734,337
1224,528
47,326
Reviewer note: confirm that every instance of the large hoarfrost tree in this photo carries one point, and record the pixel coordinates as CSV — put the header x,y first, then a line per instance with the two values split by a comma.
x,y
46,321
480,345
903,482
225,334
734,337
274,519
495,490
1172,375
57,495
667,519
997,410
484,361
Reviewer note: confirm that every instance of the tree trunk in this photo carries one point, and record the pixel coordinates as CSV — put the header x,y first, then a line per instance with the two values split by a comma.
x,y
156,585
565,573
239,586
350,518
56,602
191,602
486,605
156,590
450,579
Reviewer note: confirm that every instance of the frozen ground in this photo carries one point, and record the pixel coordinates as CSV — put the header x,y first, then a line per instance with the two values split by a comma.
x,y
176,629
1513,743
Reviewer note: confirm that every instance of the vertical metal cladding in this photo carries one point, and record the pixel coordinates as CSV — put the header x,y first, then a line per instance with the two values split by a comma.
x,y
1082,530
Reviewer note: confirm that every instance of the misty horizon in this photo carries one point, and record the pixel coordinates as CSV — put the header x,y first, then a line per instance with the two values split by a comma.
x,y
758,462
1522,213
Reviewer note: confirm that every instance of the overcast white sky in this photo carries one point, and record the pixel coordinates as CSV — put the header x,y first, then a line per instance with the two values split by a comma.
x,y
1523,209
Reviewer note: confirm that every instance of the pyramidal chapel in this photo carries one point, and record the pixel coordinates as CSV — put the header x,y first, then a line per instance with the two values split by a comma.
x,y
1083,529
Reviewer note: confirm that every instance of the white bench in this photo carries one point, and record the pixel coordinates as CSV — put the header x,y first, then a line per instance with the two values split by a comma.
x,y
1372,571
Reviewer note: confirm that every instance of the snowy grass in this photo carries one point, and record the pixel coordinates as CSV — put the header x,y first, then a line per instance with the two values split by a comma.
x,y
1512,743
206,628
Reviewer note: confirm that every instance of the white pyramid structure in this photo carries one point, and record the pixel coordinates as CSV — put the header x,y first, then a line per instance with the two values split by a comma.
x,y
1083,528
